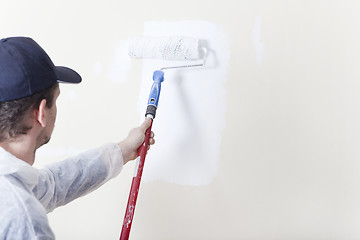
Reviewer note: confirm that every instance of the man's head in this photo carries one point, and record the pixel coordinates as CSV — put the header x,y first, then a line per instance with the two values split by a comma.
x,y
15,114
28,84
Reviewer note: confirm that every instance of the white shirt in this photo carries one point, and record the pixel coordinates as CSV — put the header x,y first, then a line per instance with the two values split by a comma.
x,y
27,194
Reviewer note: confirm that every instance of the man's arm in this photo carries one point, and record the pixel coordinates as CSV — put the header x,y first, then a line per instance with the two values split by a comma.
x,y
62,182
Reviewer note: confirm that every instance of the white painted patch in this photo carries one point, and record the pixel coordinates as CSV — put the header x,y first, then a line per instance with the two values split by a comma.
x,y
257,43
191,114
121,65
137,163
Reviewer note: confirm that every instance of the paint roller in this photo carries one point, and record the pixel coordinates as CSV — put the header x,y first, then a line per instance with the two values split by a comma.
x,y
175,48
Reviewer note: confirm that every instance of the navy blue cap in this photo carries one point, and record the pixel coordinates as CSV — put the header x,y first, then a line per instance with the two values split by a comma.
x,y
25,69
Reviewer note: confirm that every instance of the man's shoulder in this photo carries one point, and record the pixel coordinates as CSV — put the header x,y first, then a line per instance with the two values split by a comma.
x,y
16,198
20,210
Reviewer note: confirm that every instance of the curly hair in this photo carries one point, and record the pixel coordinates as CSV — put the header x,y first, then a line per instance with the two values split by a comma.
x,y
14,113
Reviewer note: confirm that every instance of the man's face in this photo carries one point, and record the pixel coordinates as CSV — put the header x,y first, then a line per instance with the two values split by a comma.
x,y
45,135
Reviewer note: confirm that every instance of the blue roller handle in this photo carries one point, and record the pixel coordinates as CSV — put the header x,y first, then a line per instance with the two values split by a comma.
x,y
153,100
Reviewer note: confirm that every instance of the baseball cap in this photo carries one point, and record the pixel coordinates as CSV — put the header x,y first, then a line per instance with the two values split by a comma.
x,y
25,69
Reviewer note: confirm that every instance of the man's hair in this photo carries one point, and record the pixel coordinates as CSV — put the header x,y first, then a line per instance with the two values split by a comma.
x,y
14,113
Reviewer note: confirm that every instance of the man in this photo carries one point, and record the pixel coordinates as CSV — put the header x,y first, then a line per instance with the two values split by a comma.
x,y
29,88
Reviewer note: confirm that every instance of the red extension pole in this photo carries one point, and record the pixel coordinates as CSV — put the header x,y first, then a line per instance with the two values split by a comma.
x,y
130,209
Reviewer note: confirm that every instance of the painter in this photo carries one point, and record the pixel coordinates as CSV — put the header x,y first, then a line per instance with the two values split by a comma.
x,y
29,89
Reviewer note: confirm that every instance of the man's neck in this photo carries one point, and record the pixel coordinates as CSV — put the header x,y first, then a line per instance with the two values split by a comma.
x,y
22,148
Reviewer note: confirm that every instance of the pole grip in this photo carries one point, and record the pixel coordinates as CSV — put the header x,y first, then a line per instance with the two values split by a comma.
x,y
135,185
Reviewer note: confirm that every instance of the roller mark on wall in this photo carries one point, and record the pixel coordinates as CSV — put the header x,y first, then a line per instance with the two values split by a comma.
x,y
191,113
121,64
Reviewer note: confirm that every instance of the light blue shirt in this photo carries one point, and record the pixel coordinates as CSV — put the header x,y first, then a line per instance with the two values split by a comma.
x,y
27,194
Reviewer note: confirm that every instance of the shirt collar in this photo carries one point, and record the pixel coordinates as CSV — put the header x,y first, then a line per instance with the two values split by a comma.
x,y
11,165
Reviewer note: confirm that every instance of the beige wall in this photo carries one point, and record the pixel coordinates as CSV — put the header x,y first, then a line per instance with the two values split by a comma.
x,y
289,162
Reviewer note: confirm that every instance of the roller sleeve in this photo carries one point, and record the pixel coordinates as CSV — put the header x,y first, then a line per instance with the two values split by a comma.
x,y
166,48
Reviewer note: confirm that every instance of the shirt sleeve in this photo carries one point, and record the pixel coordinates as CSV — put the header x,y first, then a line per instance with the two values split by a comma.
x,y
64,181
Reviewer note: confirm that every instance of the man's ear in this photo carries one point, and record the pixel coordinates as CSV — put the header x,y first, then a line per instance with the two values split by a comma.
x,y
40,115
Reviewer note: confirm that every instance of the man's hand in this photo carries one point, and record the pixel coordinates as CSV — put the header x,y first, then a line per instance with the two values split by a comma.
x,y
129,146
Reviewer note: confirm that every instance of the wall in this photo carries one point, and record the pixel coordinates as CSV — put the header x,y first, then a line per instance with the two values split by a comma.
x,y
288,160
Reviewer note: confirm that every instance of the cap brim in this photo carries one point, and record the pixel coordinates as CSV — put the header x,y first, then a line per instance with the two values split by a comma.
x,y
67,75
